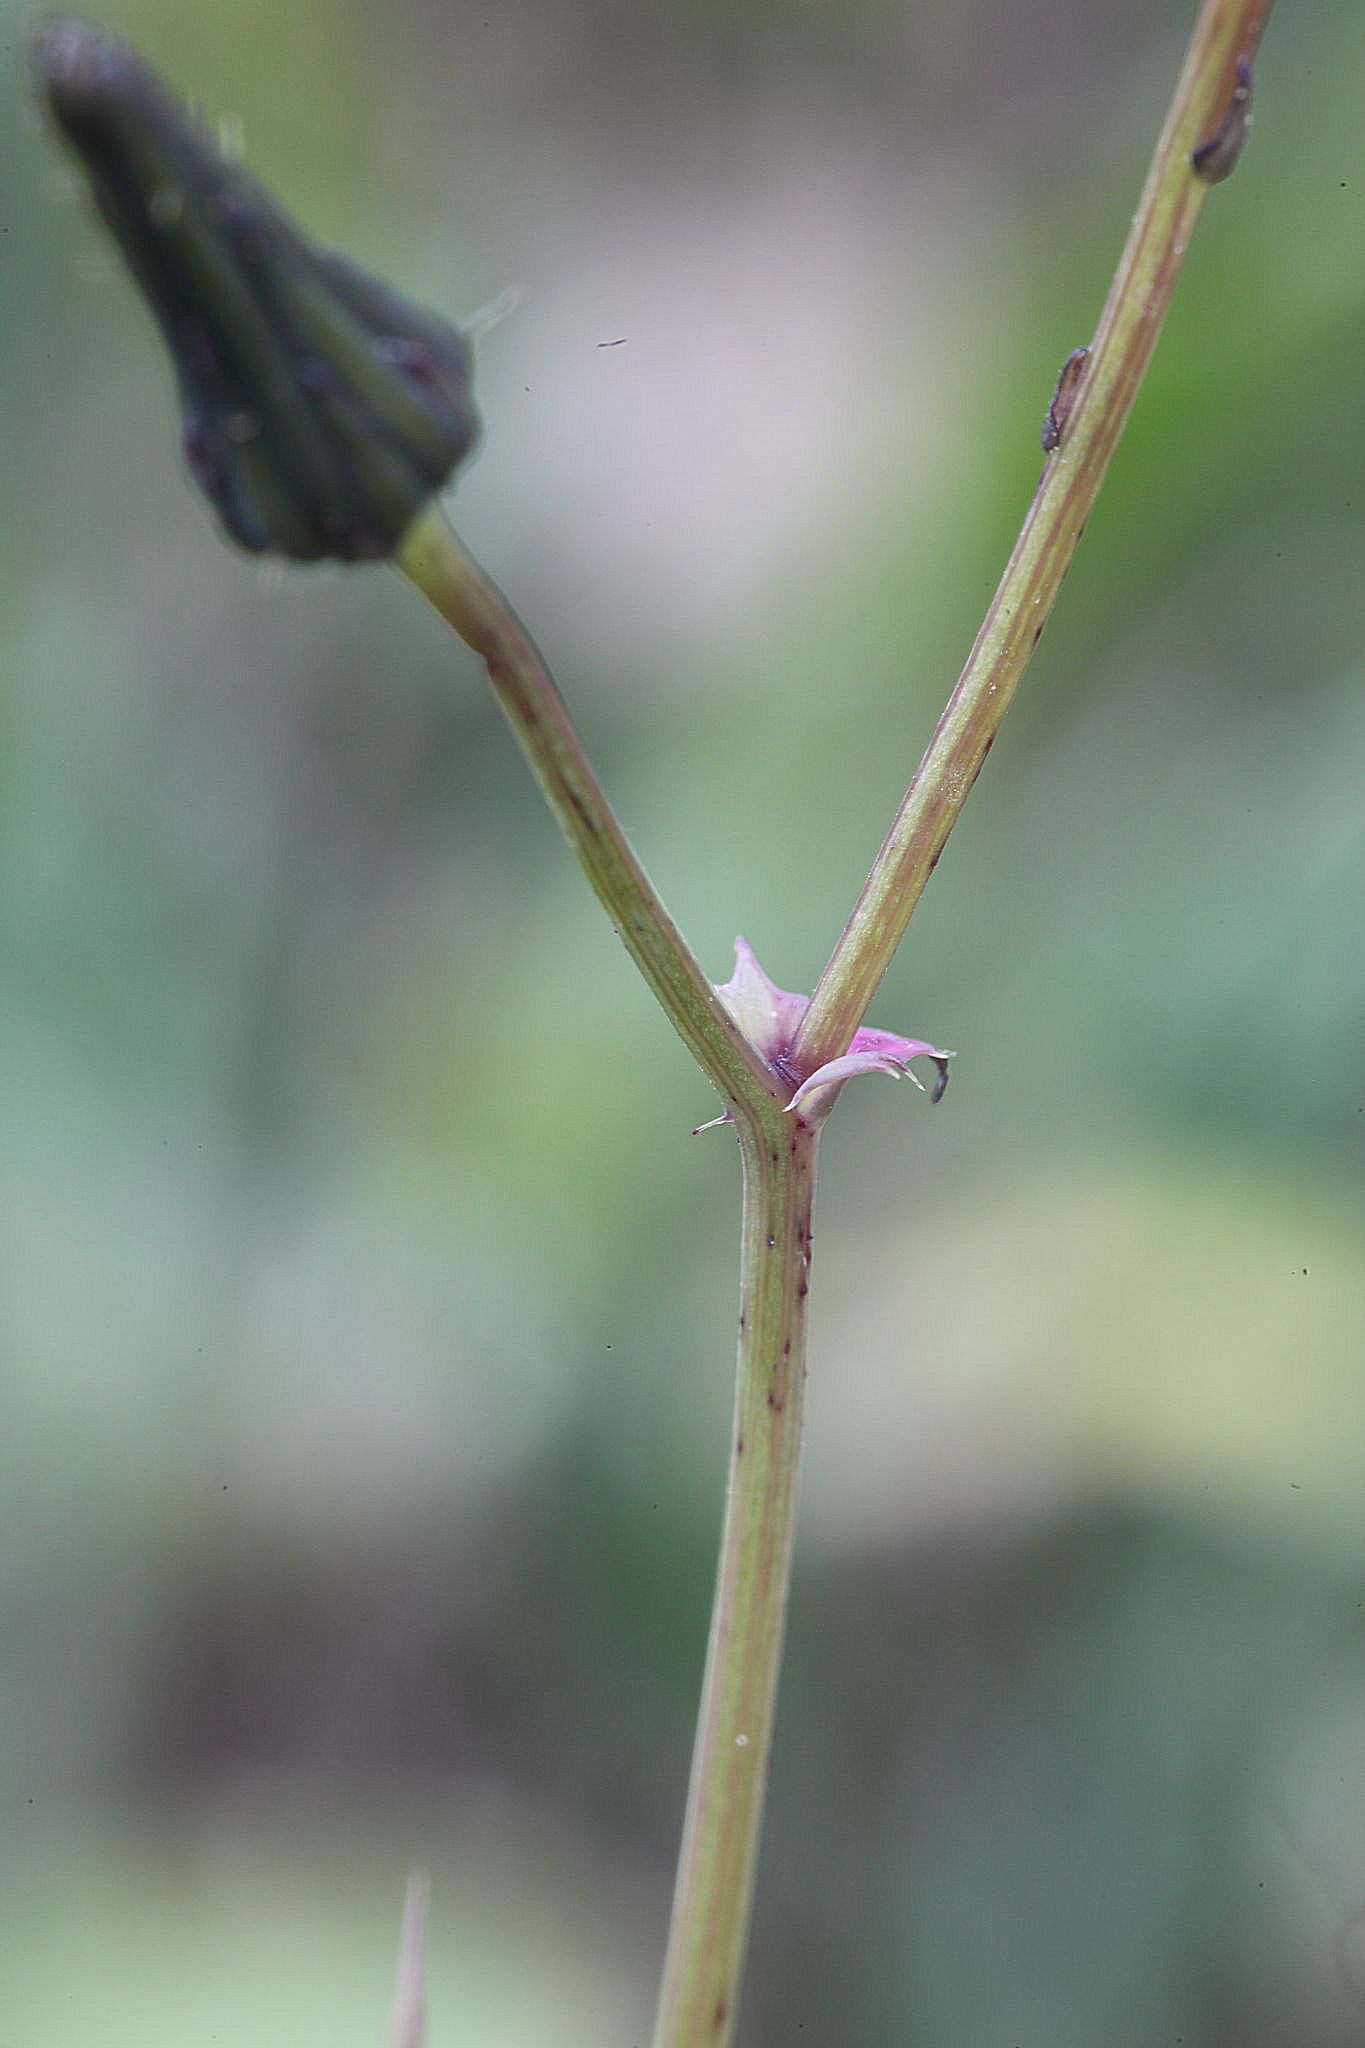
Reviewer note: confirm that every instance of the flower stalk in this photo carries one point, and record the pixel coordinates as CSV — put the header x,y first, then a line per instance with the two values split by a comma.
x,y
434,559
1205,125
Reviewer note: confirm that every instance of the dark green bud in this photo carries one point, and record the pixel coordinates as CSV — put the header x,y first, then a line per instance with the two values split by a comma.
x,y
321,411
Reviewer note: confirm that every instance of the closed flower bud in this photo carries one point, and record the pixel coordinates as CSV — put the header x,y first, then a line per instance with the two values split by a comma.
x,y
321,411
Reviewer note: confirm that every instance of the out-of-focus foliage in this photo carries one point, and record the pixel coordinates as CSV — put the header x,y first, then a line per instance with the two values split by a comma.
x,y
366,1308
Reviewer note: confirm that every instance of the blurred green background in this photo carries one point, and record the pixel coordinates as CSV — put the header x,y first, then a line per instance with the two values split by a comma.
x,y
366,1307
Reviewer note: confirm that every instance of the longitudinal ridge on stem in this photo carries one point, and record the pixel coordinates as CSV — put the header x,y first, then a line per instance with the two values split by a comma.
x,y
1199,142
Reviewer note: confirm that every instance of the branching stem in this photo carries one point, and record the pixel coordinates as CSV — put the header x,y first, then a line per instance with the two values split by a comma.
x,y
445,572
712,1901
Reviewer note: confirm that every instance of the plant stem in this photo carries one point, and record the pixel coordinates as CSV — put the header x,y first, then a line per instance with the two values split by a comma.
x,y
715,1884
1215,72
447,575
777,1151
714,1892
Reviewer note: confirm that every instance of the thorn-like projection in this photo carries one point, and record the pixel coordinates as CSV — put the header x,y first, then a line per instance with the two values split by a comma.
x,y
1063,398
1216,156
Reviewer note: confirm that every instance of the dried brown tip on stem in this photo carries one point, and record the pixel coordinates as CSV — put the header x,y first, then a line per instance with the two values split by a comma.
x,y
1216,157
1063,398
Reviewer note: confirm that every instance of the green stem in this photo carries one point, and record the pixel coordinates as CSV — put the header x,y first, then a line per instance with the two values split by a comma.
x,y
1217,67
734,1734
709,1925
448,576
715,1884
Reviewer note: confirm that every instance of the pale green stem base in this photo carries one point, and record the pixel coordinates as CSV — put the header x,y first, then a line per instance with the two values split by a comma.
x,y
436,560
716,1869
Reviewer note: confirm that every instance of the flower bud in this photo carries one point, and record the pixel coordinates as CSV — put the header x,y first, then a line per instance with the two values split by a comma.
x,y
320,410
